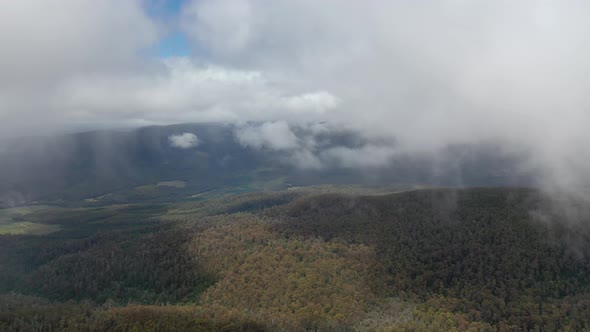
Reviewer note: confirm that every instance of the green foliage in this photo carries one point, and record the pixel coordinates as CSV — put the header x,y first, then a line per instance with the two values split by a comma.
x,y
15,221
121,253
422,260
25,227
298,284
481,249
21,313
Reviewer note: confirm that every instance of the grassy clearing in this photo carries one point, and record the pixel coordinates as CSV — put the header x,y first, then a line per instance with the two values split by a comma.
x,y
17,221
353,189
27,228
10,215
174,183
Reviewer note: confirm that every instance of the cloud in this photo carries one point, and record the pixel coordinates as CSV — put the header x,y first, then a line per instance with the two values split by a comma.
x,y
366,156
184,90
173,90
423,74
316,145
183,141
83,65
305,159
428,74
319,102
200,21
269,135
47,43
47,40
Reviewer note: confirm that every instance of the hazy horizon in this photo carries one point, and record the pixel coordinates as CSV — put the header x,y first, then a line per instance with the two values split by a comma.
x,y
423,75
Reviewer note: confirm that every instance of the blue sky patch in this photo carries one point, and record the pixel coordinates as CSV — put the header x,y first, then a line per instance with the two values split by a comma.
x,y
172,45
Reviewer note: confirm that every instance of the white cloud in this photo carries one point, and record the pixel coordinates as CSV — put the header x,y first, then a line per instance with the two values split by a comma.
x,y
428,73
319,102
44,40
302,146
171,91
269,135
185,91
46,43
202,21
184,141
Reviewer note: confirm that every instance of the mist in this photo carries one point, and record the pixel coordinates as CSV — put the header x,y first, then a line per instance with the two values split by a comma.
x,y
406,78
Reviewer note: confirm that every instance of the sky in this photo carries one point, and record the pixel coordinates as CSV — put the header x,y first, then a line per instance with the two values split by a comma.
x,y
424,74
174,43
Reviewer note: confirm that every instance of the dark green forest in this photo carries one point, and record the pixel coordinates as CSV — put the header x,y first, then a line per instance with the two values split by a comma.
x,y
319,259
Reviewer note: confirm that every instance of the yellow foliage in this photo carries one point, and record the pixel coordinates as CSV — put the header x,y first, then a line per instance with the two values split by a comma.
x,y
299,282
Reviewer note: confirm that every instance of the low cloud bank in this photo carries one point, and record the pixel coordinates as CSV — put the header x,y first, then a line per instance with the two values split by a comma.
x,y
424,75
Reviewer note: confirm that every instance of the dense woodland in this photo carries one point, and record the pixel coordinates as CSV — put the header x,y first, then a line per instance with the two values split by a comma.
x,y
421,260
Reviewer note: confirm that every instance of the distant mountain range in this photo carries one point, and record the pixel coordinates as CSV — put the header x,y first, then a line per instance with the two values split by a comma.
x,y
83,166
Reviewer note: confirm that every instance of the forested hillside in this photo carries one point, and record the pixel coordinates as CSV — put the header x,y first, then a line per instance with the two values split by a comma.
x,y
323,258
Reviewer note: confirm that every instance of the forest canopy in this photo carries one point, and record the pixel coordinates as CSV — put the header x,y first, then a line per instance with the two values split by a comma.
x,y
318,259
